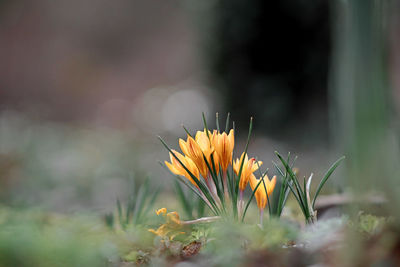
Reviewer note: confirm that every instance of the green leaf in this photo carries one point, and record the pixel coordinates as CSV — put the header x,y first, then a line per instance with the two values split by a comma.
x,y
185,202
279,169
129,208
244,155
194,190
186,130
287,191
217,121
300,194
283,191
298,200
205,125
305,195
326,177
227,122
140,200
152,200
251,198
200,208
119,210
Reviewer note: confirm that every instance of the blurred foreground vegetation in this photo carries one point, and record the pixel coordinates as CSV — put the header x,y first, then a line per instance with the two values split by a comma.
x,y
35,238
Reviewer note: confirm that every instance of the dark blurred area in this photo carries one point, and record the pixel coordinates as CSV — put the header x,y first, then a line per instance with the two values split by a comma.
x,y
270,59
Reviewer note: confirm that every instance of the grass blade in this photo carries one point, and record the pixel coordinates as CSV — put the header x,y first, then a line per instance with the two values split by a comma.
x,y
305,195
142,193
307,190
283,191
186,204
119,210
227,122
217,182
186,130
279,169
200,208
300,194
251,198
152,200
287,191
298,200
205,125
213,208
244,155
326,177
217,121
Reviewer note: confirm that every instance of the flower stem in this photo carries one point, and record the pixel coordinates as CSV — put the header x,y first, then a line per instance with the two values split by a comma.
x,y
225,187
204,198
202,220
240,204
213,190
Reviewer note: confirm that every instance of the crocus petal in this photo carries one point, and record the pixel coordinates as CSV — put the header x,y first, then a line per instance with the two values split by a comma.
x,y
162,210
172,168
261,194
183,145
256,165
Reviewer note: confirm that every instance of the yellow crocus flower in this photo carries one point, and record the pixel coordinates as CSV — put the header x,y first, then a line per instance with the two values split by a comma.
x,y
223,145
206,145
198,148
249,166
172,226
261,194
176,168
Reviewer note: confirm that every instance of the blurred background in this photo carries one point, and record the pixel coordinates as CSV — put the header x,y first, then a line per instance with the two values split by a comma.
x,y
86,87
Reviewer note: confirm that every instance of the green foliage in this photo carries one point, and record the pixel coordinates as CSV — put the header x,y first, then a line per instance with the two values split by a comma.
x,y
29,238
227,243
302,195
282,190
369,224
192,206
140,201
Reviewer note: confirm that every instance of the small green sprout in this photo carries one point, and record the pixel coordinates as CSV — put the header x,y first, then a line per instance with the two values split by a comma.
x,y
302,195
137,206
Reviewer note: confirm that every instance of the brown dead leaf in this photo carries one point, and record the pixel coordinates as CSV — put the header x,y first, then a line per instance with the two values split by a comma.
x,y
191,249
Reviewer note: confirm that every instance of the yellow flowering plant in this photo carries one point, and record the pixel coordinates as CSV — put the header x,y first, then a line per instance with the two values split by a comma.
x,y
207,167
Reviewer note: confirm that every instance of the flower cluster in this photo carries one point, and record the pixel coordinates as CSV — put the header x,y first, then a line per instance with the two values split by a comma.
x,y
206,162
